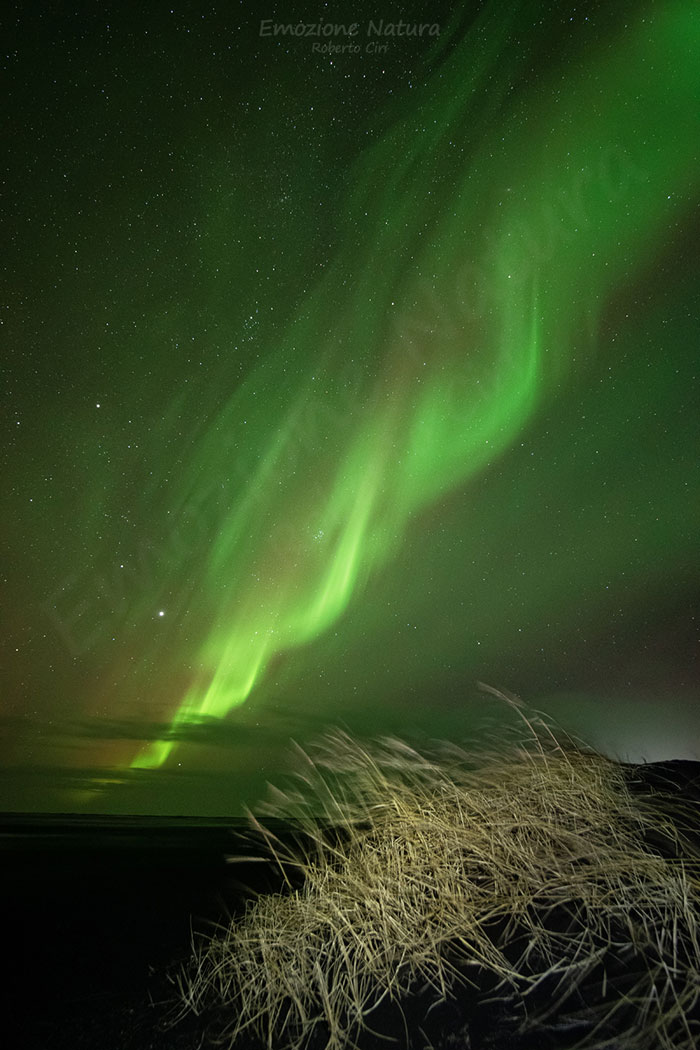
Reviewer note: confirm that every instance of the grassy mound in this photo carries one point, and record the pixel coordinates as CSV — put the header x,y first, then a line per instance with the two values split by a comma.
x,y
531,882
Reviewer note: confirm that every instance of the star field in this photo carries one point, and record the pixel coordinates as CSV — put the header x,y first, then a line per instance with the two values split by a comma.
x,y
337,382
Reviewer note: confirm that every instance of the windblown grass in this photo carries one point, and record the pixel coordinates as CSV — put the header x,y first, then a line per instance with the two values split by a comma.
x,y
523,875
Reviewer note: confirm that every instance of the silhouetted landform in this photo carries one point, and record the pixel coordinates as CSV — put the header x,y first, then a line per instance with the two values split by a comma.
x,y
96,910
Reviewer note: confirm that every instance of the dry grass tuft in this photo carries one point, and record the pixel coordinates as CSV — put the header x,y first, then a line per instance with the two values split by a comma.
x,y
524,876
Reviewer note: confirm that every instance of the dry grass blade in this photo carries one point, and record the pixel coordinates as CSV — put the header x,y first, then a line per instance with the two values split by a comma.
x,y
525,876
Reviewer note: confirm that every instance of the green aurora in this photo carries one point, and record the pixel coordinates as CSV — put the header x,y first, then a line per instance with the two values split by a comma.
x,y
340,383
473,336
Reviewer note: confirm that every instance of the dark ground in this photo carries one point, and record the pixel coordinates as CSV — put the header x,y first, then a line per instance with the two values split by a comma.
x,y
94,911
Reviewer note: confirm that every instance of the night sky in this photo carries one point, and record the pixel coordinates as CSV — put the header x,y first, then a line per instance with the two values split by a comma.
x,y
336,383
